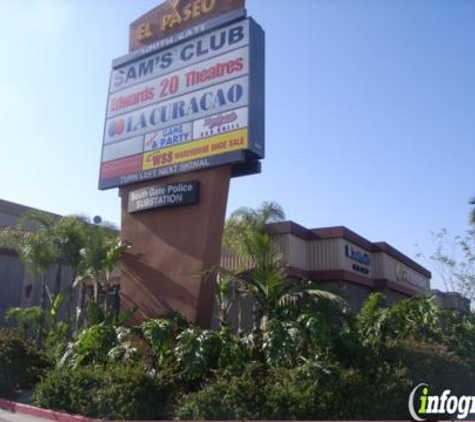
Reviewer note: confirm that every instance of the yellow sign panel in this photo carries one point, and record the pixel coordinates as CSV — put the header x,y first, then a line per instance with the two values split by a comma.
x,y
215,145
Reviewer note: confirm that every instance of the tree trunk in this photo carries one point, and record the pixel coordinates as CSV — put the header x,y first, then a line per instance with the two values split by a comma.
x,y
70,305
57,285
39,334
79,309
239,315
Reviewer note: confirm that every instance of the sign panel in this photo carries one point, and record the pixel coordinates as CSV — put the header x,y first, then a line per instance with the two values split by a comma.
x,y
176,37
210,72
363,259
207,147
220,123
404,274
189,107
172,135
175,16
196,101
182,55
161,196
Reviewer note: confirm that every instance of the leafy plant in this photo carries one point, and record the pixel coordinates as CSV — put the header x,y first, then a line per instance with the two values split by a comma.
x,y
20,364
115,392
98,345
28,319
227,397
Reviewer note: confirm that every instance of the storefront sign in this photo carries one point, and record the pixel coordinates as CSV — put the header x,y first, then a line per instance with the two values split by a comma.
x,y
161,196
360,269
403,274
361,257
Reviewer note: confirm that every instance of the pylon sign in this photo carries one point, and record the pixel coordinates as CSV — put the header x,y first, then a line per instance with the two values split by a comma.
x,y
192,101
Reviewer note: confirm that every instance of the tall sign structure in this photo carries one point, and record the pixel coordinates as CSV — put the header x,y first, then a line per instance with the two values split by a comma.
x,y
185,113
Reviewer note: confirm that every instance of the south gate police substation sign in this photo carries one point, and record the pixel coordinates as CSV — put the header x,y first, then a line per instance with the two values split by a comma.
x,y
161,196
196,104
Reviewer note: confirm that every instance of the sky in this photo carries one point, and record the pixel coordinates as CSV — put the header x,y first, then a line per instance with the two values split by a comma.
x,y
370,111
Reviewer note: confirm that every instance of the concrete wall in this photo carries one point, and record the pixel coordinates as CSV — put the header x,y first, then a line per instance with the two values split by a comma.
x,y
11,275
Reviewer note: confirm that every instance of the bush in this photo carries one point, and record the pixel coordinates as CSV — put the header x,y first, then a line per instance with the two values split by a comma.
x,y
433,364
20,364
316,391
227,396
120,392
309,391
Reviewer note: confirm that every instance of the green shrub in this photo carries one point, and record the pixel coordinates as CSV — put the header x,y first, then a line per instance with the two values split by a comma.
x,y
121,392
227,396
433,364
316,391
20,364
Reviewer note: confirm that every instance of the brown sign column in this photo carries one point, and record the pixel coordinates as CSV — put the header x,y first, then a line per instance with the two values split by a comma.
x,y
171,248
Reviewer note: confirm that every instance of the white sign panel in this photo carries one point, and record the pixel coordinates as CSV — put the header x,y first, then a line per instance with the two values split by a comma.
x,y
210,72
172,135
182,55
122,149
199,104
220,123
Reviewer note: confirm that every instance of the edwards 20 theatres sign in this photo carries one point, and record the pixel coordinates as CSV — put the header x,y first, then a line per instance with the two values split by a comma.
x,y
196,104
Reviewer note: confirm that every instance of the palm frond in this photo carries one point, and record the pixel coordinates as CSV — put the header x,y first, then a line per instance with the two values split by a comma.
x,y
472,213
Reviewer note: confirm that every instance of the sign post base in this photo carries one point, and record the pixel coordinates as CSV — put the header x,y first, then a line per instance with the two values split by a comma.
x,y
171,247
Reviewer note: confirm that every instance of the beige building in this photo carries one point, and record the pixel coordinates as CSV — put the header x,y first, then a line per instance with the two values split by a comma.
x,y
345,262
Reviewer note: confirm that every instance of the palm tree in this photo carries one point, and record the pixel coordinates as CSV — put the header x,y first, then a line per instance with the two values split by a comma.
x,y
246,233
100,256
32,240
227,284
472,213
69,239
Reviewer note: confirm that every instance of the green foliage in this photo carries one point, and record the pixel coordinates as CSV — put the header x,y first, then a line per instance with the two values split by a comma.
x,y
227,396
196,352
432,363
472,212
454,261
99,345
314,390
282,343
417,318
28,319
161,335
118,392
245,223
459,334
20,364
247,233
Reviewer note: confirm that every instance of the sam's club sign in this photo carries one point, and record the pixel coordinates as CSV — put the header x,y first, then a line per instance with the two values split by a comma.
x,y
199,99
